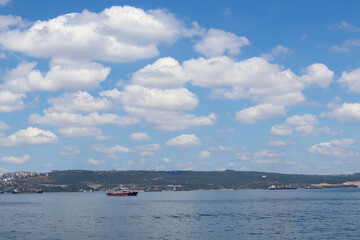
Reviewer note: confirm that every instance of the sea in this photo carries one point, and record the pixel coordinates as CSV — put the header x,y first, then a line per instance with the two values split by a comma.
x,y
236,214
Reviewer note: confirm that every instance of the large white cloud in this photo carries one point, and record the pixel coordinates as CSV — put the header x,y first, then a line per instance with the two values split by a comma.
x,y
29,137
184,140
351,80
162,107
338,148
260,112
303,124
10,102
164,73
216,42
79,102
346,112
119,34
15,160
63,74
255,79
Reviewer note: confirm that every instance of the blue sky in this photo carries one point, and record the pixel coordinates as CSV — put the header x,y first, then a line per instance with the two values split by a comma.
x,y
180,85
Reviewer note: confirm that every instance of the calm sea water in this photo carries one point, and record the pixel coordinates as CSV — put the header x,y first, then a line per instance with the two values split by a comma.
x,y
245,214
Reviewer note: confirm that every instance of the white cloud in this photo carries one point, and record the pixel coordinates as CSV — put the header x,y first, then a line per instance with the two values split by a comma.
x,y
161,107
4,2
204,154
346,45
69,151
63,74
338,148
278,50
10,102
149,147
94,161
16,160
217,42
3,126
347,26
303,124
346,112
254,79
79,102
28,137
350,80
118,34
140,136
80,132
220,149
166,160
263,157
10,21
260,112
164,73
279,143
110,151
184,140
72,119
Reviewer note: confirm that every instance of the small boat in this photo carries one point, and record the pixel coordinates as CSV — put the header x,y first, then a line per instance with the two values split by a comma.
x,y
121,192
1,192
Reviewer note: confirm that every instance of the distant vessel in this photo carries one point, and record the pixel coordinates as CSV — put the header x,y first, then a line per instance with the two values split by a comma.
x,y
153,190
121,192
16,191
1,192
281,187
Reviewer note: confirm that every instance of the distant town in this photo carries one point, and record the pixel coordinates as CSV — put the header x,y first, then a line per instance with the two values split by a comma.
x,y
82,180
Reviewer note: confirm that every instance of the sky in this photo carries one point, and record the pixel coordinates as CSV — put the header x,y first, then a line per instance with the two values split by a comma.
x,y
180,85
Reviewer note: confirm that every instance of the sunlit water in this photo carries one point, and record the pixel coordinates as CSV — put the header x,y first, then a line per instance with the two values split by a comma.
x,y
245,214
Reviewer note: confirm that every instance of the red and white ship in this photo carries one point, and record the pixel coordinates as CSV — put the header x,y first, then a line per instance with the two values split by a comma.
x,y
121,192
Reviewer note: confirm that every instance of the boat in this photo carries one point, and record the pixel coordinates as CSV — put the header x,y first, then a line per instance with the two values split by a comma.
x,y
30,191
121,192
1,192
281,187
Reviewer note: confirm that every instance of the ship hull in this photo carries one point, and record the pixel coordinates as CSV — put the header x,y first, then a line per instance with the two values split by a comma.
x,y
289,188
27,192
122,194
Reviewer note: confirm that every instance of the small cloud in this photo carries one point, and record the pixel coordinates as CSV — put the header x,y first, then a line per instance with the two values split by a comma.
x,y
204,154
94,161
69,151
2,55
303,37
166,160
347,26
277,51
184,140
226,11
140,136
4,2
346,46
15,160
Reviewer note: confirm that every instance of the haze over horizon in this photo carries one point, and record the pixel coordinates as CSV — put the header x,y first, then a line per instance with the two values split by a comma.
x,y
267,86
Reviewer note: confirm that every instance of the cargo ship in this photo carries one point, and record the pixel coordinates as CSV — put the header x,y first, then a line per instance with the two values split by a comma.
x,y
282,187
121,192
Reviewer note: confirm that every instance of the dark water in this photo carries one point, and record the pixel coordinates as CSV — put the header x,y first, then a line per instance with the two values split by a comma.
x,y
246,214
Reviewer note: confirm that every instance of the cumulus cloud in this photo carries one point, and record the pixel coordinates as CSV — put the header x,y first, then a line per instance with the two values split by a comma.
x,y
69,151
337,148
254,79
166,160
72,119
263,157
10,102
220,149
6,22
111,152
94,161
29,137
278,50
346,112
164,73
184,140
117,34
15,160
303,124
280,143
140,136
148,150
260,112
162,107
80,132
63,74
216,42
79,102
204,154
350,80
